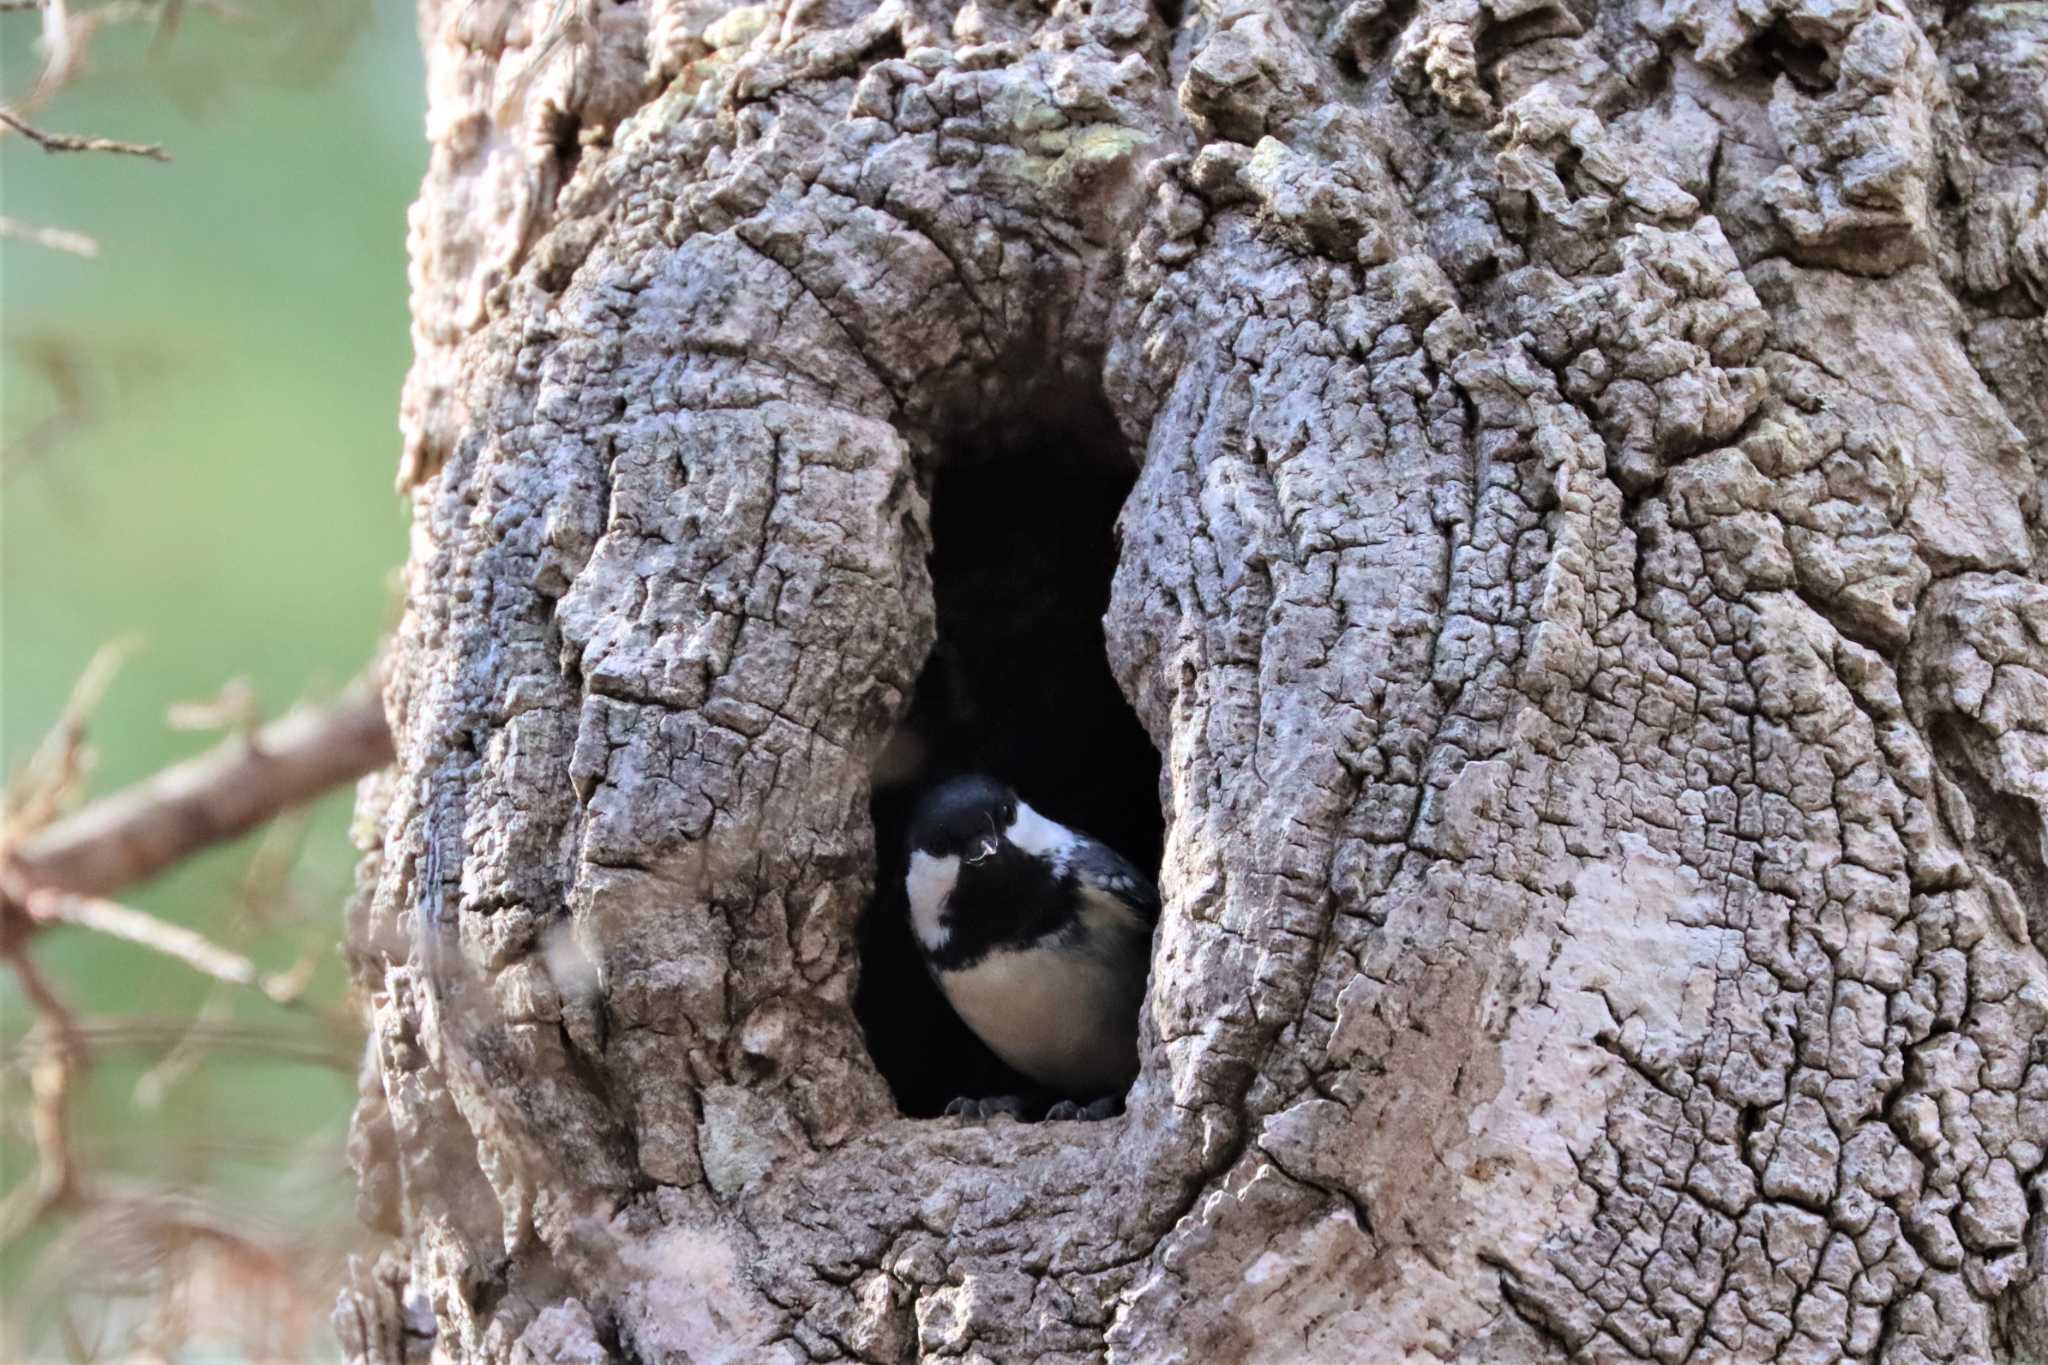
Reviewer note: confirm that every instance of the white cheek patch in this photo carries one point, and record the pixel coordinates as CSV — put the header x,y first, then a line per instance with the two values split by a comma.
x,y
931,880
1040,837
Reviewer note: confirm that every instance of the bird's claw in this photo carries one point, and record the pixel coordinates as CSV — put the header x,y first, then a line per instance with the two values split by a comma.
x,y
1068,1110
1016,1107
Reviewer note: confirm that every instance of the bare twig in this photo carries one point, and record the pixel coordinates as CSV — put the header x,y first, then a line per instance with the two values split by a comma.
x,y
71,142
265,895
134,834
144,930
57,766
59,1052
234,708
53,239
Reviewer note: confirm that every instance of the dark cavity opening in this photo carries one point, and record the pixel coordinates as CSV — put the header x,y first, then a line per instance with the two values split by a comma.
x,y
1018,687
563,131
1781,49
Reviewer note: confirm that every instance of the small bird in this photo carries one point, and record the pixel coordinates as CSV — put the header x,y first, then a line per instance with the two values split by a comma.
x,y
1039,936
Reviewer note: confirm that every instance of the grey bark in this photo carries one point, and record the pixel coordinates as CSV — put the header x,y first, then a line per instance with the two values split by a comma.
x,y
1587,578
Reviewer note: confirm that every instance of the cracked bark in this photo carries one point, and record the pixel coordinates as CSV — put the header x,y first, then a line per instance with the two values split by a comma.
x,y
1587,578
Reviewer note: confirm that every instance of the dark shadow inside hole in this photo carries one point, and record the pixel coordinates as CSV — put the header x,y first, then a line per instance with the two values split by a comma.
x,y
1780,48
563,130
1018,687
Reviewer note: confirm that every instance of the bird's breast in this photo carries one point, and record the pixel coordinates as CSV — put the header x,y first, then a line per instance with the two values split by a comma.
x,y
1063,1016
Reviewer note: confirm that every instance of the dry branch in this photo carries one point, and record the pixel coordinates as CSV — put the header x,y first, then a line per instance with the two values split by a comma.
x,y
71,142
59,1052
136,833
114,920
62,873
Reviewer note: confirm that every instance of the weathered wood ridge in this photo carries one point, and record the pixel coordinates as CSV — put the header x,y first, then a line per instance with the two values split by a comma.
x,y
1587,578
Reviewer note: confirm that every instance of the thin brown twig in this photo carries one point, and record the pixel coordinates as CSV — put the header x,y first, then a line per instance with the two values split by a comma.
x,y
265,894
144,930
58,763
59,1054
72,142
233,708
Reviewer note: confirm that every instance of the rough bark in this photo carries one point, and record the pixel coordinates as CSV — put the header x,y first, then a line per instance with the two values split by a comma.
x,y
1586,576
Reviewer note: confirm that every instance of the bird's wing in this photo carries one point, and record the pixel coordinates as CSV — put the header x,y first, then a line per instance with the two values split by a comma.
x,y
1103,867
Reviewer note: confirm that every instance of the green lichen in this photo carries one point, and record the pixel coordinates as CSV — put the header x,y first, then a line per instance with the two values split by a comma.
x,y
1059,158
737,28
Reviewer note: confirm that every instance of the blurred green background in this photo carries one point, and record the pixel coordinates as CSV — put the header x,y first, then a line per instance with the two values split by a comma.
x,y
224,496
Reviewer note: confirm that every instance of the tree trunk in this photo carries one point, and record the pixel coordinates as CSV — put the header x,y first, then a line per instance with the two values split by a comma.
x,y
1582,565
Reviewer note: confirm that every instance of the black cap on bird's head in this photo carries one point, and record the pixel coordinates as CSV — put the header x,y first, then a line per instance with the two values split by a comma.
x,y
964,817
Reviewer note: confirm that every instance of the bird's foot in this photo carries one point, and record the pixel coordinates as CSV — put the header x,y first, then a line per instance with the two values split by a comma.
x,y
1067,1110
986,1107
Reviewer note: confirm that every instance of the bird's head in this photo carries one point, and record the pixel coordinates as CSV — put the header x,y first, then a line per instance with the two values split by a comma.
x,y
965,818
974,836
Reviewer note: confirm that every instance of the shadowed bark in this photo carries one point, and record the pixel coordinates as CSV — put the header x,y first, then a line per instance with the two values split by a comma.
x,y
1584,574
